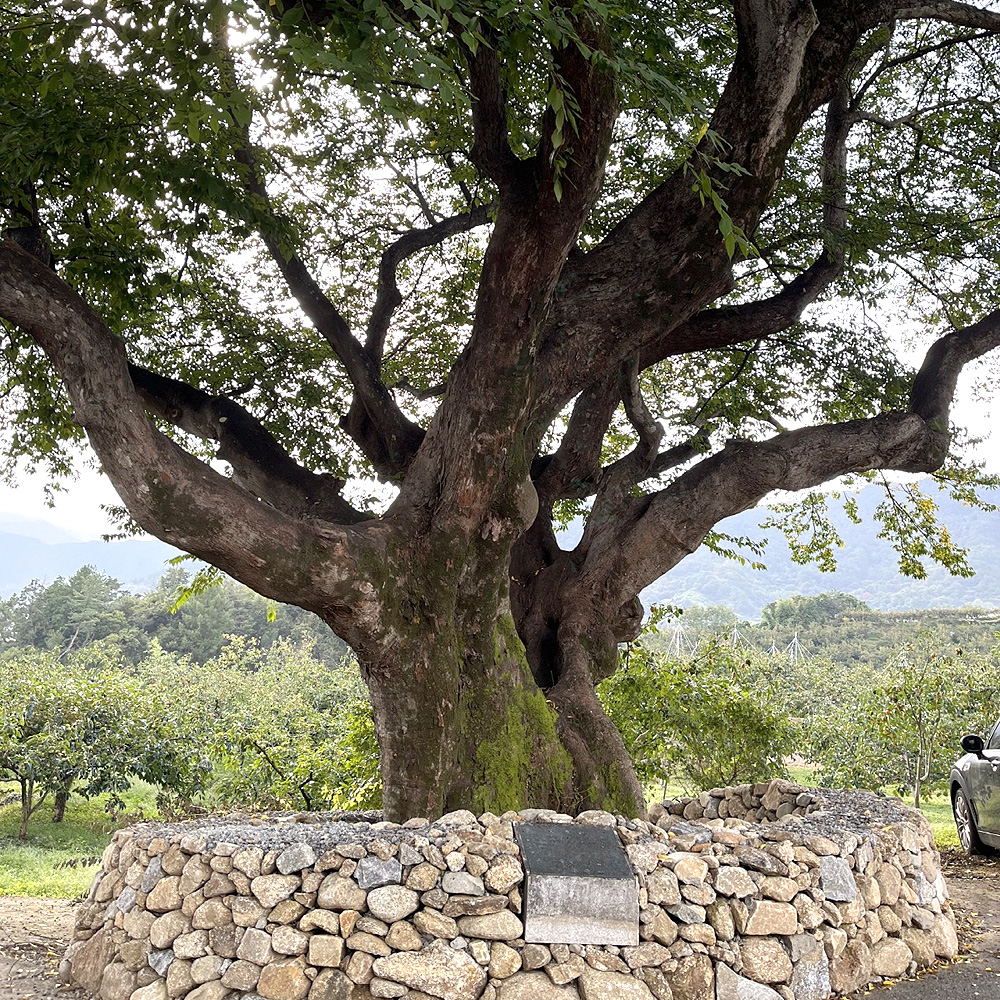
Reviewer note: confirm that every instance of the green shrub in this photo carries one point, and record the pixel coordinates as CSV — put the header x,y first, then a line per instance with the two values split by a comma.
x,y
709,721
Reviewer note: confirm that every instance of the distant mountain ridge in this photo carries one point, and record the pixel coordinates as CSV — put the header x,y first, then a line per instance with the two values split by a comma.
x,y
136,563
32,527
30,549
867,566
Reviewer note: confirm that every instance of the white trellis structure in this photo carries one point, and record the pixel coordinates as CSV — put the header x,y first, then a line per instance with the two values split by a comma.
x,y
738,640
678,642
794,649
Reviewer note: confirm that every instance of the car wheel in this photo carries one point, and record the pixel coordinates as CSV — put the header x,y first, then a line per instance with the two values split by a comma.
x,y
965,823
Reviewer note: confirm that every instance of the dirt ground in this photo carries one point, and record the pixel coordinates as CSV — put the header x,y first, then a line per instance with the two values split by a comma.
x,y
34,933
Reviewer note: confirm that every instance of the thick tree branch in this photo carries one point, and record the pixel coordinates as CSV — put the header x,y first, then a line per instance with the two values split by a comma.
x,y
712,329
491,151
657,531
667,255
260,465
950,12
728,325
478,431
934,386
639,416
170,493
573,468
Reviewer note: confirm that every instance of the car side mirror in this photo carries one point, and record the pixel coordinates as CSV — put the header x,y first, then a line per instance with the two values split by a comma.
x,y
973,744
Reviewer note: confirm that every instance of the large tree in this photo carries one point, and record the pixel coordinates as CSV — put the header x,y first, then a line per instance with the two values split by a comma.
x,y
520,262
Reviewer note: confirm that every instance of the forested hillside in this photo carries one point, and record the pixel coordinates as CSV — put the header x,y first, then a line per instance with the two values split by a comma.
x,y
92,608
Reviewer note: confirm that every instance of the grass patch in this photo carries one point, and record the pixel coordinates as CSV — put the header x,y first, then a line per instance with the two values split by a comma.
x,y
937,809
807,776
52,861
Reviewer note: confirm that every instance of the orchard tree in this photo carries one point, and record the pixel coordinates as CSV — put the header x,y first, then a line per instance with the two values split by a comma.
x,y
66,727
711,720
520,262
902,725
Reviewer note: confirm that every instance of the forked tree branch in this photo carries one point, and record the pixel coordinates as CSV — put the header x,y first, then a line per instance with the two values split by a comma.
x,y
260,464
787,65
386,436
618,478
659,530
717,328
388,297
486,408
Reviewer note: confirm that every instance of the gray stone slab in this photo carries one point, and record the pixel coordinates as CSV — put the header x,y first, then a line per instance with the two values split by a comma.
x,y
730,986
837,880
811,978
373,873
126,899
152,875
579,887
160,961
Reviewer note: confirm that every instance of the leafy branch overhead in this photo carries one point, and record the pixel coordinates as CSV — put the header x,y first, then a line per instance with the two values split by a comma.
x,y
631,266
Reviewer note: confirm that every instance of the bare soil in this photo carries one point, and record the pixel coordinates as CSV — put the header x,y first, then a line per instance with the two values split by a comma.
x,y
35,932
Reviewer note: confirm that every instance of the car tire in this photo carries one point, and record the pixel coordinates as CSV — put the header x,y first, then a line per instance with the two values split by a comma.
x,y
965,824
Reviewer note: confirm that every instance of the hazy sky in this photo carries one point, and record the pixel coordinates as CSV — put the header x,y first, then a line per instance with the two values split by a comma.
x,y
77,510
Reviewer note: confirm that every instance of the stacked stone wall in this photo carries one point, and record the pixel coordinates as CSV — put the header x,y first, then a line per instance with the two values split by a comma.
x,y
840,891
766,802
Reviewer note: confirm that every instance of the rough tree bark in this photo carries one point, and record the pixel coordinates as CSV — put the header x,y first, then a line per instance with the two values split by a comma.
x,y
480,639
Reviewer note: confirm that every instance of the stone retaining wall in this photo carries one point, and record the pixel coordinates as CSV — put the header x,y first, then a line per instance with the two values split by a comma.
x,y
309,908
763,803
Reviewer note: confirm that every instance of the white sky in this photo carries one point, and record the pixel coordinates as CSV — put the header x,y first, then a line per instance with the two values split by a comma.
x,y
77,509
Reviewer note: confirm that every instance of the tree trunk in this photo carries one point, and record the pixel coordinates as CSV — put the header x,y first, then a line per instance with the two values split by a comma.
x,y
62,797
465,720
27,806
571,645
461,724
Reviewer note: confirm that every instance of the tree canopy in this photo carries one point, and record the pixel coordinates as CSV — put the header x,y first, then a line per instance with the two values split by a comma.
x,y
641,264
